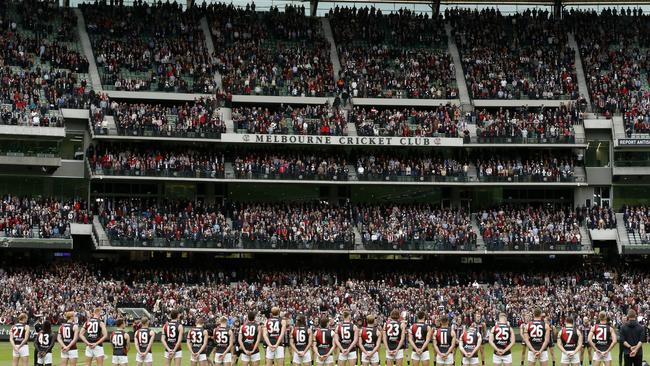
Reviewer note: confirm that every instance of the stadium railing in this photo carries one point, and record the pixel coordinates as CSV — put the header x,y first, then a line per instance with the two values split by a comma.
x,y
150,131
168,173
346,243
423,245
529,179
411,178
306,175
527,140
500,245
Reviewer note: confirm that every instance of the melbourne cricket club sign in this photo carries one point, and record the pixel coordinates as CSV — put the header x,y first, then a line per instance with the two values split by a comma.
x,y
342,140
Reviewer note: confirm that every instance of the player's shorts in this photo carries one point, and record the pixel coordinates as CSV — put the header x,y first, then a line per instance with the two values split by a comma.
x,y
575,359
606,357
444,361
148,358
45,360
374,358
177,354
298,360
422,357
398,356
71,354
120,360
328,360
23,351
96,352
250,358
543,356
497,360
274,355
200,358
470,361
350,356
227,357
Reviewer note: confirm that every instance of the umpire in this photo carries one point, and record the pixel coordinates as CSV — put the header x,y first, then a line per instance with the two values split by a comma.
x,y
632,336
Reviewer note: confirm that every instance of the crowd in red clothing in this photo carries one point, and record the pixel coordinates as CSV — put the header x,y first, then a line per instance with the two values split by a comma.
x,y
443,121
308,120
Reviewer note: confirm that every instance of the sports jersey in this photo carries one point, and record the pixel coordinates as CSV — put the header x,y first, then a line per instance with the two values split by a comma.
x,y
393,331
143,336
369,338
470,340
93,330
602,338
171,330
536,334
221,339
118,341
444,339
196,338
346,334
569,337
419,333
44,342
18,331
324,338
250,331
300,337
585,334
502,336
273,329
66,330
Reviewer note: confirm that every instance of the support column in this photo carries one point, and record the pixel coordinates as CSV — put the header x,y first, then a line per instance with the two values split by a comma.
x,y
557,9
435,9
313,7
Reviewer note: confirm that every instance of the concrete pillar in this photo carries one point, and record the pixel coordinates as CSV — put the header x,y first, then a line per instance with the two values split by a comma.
x,y
557,9
313,7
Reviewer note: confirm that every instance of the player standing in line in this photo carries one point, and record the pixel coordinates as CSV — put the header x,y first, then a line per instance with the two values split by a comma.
x,y
18,337
586,347
273,336
537,336
223,342
551,338
197,343
237,350
419,338
470,344
369,342
172,338
300,342
249,340
502,339
393,339
347,340
209,327
570,343
522,331
444,343
120,341
602,339
67,338
44,342
459,329
481,328
324,341
144,338
93,334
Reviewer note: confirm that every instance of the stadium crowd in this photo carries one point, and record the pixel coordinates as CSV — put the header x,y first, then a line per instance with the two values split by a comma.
x,y
414,227
270,53
465,296
130,160
527,125
308,120
540,169
382,167
150,45
253,165
598,217
40,217
201,118
522,56
444,121
512,227
396,55
636,219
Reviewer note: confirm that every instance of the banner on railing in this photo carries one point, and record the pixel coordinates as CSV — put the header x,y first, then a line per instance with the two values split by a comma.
x,y
342,140
634,142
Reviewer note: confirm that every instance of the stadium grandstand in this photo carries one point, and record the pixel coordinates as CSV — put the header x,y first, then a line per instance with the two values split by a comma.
x,y
460,158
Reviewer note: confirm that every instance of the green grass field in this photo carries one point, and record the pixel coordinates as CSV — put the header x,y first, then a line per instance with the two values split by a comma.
x,y
5,355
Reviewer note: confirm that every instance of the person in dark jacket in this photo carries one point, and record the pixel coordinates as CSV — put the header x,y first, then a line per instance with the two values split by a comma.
x,y
632,336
